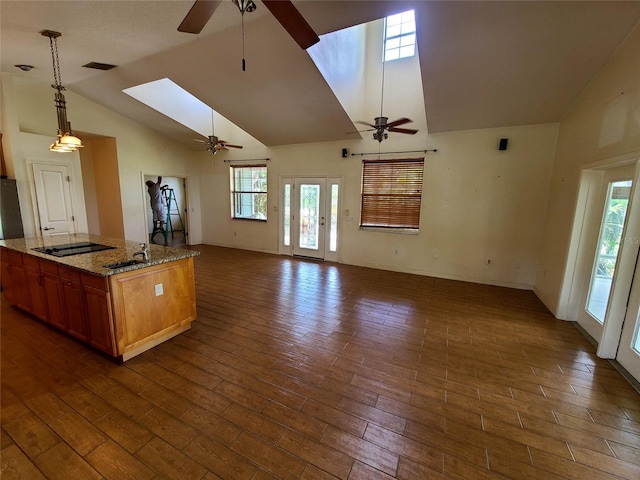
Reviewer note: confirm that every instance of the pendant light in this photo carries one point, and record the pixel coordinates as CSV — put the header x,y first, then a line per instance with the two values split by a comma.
x,y
65,141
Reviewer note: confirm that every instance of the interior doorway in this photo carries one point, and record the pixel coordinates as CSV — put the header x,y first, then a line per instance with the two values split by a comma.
x,y
174,230
602,273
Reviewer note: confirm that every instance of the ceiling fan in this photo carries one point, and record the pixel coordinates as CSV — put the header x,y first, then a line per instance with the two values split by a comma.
x,y
284,11
214,144
382,126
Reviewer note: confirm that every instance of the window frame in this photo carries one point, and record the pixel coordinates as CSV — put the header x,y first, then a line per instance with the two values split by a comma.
x,y
253,192
399,37
380,180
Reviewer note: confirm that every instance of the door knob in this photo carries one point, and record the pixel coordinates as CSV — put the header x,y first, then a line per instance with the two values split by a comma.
x,y
48,228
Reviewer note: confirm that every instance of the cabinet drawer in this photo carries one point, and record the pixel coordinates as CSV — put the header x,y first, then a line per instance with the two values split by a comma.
x,y
30,261
95,281
14,258
68,273
48,266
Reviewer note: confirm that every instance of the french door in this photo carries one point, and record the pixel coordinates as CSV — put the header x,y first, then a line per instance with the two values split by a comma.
x,y
310,217
629,349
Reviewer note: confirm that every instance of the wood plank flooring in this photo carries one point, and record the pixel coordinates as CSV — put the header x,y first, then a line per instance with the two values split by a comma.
x,y
302,370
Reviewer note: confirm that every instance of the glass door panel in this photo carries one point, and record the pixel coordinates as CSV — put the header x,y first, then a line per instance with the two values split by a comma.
x,y
608,246
308,217
628,354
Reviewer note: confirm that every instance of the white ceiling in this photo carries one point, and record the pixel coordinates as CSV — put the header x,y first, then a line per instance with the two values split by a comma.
x,y
484,64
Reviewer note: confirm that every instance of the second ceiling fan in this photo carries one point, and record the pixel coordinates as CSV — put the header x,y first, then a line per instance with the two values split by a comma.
x,y
283,10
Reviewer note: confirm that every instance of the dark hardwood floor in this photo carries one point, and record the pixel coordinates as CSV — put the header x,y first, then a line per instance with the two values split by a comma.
x,y
302,370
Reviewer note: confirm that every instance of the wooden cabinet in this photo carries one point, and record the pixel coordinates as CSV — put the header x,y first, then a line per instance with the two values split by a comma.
x,y
35,287
152,304
122,315
53,294
73,302
14,281
98,313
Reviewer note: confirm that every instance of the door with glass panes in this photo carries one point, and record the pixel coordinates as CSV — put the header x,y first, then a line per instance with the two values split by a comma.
x,y
629,348
615,193
310,217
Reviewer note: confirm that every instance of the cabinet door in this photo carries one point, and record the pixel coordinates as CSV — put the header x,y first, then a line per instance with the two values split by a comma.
x,y
98,304
14,283
36,293
5,278
54,299
73,308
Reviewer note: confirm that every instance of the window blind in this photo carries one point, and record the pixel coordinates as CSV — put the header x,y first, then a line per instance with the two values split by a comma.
x,y
391,193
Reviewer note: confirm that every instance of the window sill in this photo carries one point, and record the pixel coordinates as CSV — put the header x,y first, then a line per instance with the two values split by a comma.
x,y
401,231
250,219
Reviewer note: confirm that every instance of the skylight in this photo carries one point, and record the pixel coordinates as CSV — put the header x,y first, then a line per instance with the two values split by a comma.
x,y
400,36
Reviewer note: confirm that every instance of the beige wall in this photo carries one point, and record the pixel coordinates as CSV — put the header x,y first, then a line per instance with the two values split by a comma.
x,y
30,108
603,127
478,203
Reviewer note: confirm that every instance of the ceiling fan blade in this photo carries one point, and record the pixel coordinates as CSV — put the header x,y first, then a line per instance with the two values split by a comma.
x,y
293,22
410,131
198,16
400,121
200,141
365,123
232,146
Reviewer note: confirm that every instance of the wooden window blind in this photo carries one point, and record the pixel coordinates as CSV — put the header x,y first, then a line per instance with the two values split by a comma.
x,y
392,193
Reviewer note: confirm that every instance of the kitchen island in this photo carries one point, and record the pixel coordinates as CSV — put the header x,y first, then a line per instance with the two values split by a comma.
x,y
102,290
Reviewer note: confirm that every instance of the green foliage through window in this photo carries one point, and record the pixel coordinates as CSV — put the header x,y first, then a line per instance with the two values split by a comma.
x,y
249,192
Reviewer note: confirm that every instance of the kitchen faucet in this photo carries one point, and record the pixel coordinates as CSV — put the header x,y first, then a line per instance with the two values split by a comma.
x,y
144,252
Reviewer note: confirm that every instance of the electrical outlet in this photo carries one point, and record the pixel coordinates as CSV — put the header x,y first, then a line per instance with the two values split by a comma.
x,y
159,289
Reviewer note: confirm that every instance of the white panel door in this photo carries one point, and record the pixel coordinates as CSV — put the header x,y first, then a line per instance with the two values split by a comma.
x,y
53,194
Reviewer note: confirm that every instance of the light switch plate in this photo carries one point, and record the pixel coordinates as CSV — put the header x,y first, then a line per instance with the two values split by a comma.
x,y
159,289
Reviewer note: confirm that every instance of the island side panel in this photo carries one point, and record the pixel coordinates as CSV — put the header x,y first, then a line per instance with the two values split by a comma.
x,y
143,317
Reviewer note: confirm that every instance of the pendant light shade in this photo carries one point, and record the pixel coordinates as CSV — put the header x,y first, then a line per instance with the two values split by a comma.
x,y
65,141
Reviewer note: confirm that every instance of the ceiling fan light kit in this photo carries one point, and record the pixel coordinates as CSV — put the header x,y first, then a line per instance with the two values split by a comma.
x,y
65,140
213,143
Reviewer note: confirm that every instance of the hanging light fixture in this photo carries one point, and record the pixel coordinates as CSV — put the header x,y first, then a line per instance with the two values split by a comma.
x,y
65,141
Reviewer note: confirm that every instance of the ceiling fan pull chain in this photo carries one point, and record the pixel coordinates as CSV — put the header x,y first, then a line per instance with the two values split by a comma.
x,y
243,62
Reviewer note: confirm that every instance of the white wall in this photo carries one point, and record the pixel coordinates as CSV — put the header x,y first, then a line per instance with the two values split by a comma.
x,y
478,203
30,108
603,127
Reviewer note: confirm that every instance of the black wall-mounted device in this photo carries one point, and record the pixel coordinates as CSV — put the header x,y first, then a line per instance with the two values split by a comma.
x,y
503,144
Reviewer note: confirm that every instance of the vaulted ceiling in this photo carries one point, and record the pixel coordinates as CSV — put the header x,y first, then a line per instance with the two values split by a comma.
x,y
483,64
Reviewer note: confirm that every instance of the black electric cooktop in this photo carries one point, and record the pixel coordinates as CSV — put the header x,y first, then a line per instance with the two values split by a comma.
x,y
69,249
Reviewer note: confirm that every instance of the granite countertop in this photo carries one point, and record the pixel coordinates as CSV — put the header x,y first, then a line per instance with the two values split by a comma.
x,y
94,262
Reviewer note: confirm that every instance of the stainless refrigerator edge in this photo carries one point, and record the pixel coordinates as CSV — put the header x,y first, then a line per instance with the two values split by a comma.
x,y
10,216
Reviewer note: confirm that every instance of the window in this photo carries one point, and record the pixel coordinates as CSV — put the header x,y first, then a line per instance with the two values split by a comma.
x,y
391,193
249,192
400,36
